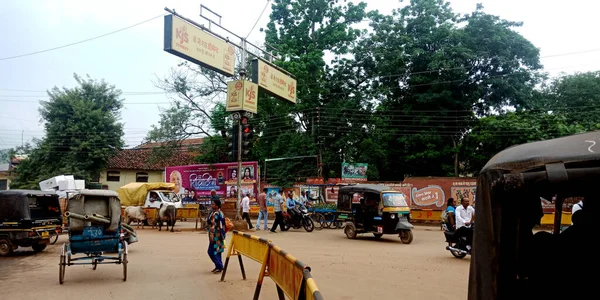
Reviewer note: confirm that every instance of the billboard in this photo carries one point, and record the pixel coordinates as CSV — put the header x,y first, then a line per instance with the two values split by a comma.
x,y
191,43
272,79
194,182
356,172
242,95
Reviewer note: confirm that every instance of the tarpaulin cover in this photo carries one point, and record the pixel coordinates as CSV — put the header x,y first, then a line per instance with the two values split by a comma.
x,y
491,277
134,194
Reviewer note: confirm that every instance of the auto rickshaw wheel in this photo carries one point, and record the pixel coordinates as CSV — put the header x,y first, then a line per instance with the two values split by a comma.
x,y
5,247
378,235
406,236
350,231
38,247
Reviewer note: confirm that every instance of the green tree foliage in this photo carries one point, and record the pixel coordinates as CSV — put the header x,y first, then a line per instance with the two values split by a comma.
x,y
82,131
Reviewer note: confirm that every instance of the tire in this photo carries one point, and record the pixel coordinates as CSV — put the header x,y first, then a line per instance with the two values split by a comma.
x,y
378,235
5,247
38,247
308,224
457,254
285,227
406,236
124,261
350,232
61,269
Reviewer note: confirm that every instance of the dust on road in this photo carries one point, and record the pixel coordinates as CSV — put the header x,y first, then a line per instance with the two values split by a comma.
x,y
165,265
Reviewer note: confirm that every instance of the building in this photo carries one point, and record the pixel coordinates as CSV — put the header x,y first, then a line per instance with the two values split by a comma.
x,y
6,168
136,165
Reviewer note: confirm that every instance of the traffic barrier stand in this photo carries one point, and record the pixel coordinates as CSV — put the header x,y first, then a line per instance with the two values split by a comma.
x,y
291,276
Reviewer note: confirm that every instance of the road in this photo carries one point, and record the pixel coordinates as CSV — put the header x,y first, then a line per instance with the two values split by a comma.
x,y
165,265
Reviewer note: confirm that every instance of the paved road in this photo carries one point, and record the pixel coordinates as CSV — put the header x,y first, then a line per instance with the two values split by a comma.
x,y
165,265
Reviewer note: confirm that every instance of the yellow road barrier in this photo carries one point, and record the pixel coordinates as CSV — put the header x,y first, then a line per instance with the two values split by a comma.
x,y
292,277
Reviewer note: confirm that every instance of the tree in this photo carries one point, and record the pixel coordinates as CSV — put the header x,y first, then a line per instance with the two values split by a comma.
x,y
495,133
433,71
82,131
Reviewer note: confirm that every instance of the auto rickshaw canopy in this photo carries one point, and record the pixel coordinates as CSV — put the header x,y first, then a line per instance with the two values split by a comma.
x,y
508,206
346,192
14,204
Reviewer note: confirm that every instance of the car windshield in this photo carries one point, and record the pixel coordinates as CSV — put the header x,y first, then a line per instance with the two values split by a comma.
x,y
170,196
44,207
394,199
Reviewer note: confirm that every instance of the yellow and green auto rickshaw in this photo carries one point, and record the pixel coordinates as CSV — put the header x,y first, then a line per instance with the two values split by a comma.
x,y
376,209
513,256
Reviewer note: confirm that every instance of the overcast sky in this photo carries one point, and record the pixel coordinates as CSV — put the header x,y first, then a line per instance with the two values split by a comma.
x,y
131,59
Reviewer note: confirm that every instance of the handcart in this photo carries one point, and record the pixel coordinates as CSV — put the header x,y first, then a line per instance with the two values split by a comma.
x,y
94,221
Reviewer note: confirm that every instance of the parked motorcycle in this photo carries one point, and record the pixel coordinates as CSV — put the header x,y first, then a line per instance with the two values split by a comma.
x,y
459,247
304,220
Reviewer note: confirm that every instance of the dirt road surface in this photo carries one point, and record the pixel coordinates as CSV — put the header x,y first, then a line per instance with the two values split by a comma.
x,y
165,265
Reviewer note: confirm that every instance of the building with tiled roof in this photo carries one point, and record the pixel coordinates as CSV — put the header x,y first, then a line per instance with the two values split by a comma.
x,y
137,165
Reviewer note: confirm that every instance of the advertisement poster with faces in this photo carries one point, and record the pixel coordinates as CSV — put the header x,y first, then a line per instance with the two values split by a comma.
x,y
193,183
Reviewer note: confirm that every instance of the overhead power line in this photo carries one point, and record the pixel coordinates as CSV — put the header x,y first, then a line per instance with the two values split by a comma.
x,y
260,16
82,41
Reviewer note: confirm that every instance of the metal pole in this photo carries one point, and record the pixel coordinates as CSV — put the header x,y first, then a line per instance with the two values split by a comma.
x,y
239,172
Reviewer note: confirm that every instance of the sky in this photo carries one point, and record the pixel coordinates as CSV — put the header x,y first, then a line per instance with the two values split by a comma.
x,y
132,59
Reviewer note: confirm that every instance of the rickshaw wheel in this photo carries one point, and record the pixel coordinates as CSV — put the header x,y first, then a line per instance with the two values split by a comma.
x,y
5,247
406,236
378,235
61,269
350,231
124,261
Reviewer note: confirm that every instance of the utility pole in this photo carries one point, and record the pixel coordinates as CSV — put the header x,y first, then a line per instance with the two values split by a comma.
x,y
319,157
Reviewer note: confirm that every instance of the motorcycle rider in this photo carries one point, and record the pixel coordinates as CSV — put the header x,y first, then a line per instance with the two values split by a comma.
x,y
464,217
291,206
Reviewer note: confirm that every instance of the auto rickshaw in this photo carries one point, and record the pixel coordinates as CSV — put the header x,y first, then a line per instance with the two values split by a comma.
x,y
27,219
376,209
512,258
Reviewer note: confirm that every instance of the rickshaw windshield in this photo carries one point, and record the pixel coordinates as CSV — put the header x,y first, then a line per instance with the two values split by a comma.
x,y
44,207
393,199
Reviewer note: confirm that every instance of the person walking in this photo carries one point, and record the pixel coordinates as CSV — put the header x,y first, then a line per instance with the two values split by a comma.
x,y
278,207
262,206
246,210
216,236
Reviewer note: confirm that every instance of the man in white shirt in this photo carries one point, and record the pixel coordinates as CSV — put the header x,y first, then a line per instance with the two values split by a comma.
x,y
577,206
464,216
246,210
303,199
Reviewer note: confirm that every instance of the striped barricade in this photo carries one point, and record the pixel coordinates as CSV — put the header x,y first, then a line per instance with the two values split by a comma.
x,y
291,276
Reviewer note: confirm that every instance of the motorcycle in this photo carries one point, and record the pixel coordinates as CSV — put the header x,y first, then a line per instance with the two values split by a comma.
x,y
458,245
303,220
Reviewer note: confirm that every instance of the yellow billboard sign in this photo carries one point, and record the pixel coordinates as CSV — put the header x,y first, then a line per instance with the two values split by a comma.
x,y
189,42
242,95
272,79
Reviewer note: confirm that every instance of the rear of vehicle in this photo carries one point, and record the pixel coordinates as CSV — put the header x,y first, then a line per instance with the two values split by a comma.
x,y
27,219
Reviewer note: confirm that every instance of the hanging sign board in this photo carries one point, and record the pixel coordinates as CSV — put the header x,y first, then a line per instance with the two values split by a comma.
x,y
273,80
242,95
191,43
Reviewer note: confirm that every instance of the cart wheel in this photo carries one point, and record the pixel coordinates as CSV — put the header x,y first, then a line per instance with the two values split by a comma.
x,y
61,266
406,236
5,247
124,261
321,220
329,219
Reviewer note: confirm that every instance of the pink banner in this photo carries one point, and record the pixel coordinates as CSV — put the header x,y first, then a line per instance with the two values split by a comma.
x,y
193,182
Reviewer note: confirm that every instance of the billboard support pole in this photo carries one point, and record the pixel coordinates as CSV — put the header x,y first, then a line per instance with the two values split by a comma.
x,y
239,150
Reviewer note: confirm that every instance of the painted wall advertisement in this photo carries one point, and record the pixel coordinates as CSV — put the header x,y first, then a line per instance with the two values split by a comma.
x,y
194,182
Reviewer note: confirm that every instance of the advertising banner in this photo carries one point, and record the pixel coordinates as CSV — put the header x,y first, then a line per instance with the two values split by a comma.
x,y
189,42
242,95
194,182
355,172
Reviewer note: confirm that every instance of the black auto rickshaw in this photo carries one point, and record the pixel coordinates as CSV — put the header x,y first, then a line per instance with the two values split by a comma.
x,y
27,219
512,256
376,209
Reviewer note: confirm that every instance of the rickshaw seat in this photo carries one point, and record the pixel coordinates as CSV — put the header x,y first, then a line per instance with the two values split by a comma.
x,y
108,207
